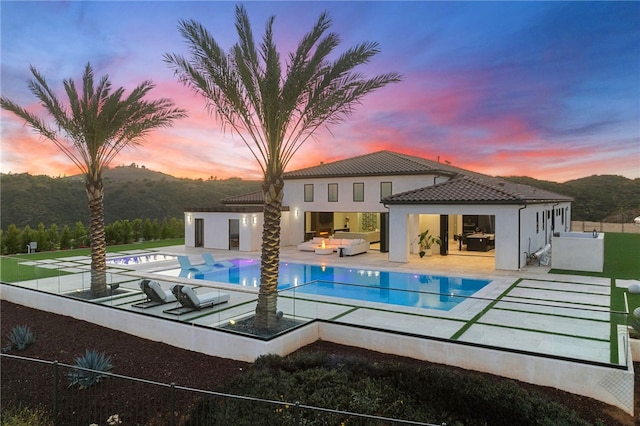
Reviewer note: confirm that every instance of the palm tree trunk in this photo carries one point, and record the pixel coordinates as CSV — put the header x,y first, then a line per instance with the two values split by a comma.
x,y
95,194
272,188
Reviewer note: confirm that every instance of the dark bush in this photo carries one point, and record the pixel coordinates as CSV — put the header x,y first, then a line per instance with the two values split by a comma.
x,y
430,395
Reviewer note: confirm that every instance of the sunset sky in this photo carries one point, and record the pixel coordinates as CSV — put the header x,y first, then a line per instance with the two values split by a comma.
x,y
549,90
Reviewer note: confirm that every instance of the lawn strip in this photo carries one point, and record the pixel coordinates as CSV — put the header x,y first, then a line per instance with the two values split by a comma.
x,y
617,307
551,315
347,312
559,290
534,280
533,330
479,315
414,314
556,301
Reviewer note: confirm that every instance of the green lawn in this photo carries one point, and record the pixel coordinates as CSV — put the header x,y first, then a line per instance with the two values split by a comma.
x,y
621,258
11,271
621,261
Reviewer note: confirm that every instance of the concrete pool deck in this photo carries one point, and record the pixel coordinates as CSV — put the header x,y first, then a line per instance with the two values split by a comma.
x,y
553,330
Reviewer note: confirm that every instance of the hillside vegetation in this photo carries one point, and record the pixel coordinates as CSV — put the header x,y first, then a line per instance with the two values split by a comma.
x,y
130,192
136,192
606,198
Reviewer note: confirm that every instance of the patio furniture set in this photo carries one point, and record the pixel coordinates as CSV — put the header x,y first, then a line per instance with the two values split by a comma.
x,y
343,246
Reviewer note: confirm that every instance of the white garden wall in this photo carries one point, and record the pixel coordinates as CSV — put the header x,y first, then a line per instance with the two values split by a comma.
x,y
578,251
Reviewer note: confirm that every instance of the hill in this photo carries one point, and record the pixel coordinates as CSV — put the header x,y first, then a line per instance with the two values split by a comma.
x,y
606,198
133,172
133,192
130,192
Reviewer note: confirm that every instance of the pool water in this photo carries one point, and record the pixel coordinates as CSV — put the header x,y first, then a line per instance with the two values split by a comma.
x,y
398,288
139,259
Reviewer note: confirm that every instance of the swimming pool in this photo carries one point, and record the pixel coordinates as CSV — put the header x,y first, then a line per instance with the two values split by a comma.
x,y
139,259
397,288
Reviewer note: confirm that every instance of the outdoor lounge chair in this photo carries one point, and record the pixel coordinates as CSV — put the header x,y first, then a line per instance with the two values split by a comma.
x,y
156,295
210,261
191,301
185,263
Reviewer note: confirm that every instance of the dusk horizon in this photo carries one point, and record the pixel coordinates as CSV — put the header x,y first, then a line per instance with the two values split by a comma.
x,y
549,91
76,173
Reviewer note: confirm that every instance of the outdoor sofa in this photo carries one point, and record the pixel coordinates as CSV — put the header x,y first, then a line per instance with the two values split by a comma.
x,y
349,246
370,236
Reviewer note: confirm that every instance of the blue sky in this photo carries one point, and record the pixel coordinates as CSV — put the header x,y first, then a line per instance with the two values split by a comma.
x,y
549,90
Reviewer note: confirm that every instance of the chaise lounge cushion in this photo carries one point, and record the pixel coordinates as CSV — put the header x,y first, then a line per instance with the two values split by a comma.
x,y
189,299
154,291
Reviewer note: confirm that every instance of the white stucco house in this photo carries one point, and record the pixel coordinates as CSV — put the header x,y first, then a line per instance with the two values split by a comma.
x,y
388,198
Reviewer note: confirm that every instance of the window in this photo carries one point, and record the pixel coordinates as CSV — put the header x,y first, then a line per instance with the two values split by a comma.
x,y
308,192
333,192
537,222
358,191
385,189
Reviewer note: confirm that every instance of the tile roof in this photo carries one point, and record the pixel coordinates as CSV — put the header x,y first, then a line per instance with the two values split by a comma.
x,y
380,163
467,189
463,187
255,197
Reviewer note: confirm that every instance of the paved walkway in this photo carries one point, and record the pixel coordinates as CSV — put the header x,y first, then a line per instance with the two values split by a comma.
x,y
529,310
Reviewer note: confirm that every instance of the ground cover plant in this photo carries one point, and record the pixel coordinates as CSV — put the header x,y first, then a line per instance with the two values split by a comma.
x,y
24,416
430,394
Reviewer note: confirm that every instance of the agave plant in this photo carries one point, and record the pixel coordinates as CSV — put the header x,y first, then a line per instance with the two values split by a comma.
x,y
19,338
90,369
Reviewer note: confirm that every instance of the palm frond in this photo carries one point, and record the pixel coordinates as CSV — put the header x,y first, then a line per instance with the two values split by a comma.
x,y
275,115
98,122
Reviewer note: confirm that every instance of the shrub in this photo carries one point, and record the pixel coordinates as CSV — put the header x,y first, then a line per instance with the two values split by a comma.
x,y
354,384
89,369
19,338
24,416
268,361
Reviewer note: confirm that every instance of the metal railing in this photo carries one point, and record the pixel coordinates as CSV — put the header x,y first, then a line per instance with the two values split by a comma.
x,y
36,383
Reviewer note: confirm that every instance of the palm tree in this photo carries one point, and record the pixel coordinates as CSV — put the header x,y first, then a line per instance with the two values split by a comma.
x,y
95,126
274,114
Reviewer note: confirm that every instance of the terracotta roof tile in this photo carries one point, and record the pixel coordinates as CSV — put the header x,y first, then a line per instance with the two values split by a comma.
x,y
475,190
255,197
381,163
463,187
